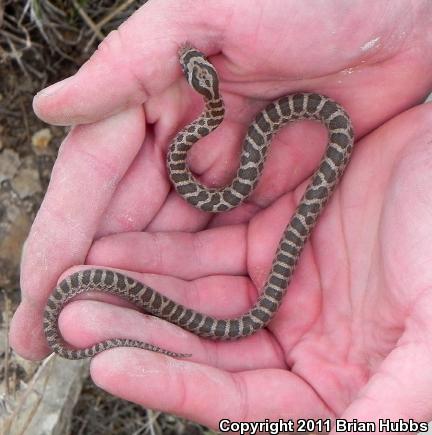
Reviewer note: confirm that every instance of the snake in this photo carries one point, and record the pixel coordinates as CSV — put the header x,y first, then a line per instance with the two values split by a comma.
x,y
202,76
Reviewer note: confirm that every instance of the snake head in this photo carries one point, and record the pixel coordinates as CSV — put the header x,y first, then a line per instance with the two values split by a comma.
x,y
199,72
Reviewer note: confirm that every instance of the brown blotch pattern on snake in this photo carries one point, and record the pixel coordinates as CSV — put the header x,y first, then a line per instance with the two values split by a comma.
x,y
203,78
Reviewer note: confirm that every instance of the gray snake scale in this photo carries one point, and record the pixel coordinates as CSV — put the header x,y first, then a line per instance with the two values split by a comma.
x,y
203,78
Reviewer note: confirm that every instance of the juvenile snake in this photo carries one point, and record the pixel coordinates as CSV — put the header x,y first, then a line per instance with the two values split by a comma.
x,y
203,78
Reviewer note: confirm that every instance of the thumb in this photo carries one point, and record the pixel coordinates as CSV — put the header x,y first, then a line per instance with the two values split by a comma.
x,y
133,63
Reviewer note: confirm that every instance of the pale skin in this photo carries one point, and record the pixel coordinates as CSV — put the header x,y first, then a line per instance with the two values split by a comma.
x,y
353,336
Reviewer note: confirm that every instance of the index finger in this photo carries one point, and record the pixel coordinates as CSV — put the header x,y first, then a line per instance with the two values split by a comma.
x,y
204,393
84,178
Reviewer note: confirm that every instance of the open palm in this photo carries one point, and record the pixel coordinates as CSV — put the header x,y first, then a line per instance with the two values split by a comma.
x,y
354,326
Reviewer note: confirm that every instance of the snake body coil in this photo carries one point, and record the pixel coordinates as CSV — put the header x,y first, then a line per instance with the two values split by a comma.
x,y
202,76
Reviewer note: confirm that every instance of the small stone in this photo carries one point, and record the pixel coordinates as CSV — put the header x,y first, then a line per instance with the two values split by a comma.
x,y
26,183
40,140
9,163
44,405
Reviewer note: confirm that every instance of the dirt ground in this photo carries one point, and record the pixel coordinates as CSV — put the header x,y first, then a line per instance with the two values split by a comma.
x,y
42,42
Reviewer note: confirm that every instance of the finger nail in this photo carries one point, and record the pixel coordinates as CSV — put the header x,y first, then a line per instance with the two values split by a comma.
x,y
51,90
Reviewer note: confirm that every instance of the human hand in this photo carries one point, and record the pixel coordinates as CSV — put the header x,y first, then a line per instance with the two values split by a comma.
x,y
99,191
